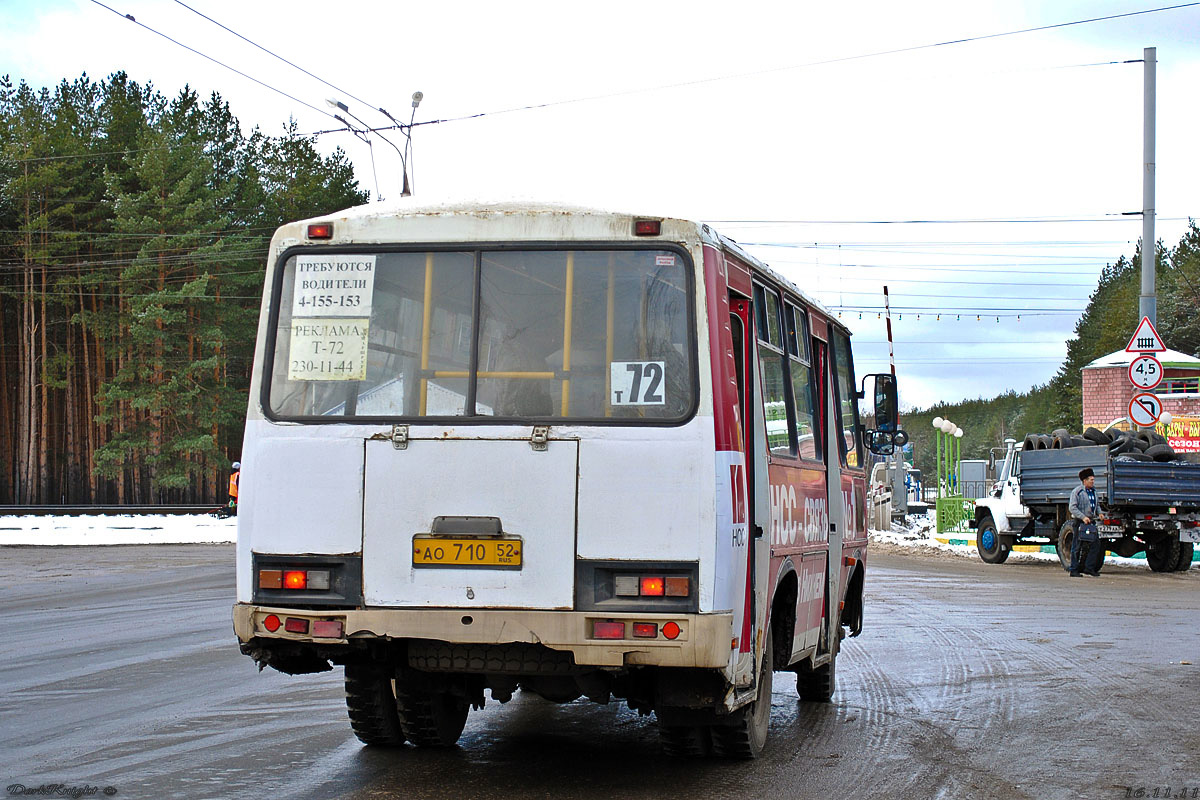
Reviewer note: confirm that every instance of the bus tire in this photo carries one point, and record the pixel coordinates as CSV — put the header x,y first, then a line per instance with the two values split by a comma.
x,y
1163,555
371,704
989,542
431,715
744,733
685,741
1186,551
817,684
1063,546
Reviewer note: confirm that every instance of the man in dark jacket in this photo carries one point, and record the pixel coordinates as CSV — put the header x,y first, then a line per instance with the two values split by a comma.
x,y
1083,507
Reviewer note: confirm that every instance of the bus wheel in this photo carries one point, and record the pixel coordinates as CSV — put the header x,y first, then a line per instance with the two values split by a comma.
x,y
744,734
1063,546
1163,555
431,713
371,704
685,741
817,684
1186,551
988,542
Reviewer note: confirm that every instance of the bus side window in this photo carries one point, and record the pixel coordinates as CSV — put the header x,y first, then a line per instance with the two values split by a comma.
x,y
803,385
739,348
847,400
772,364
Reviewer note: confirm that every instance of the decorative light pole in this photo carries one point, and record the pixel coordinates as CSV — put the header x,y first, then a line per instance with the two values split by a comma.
x,y
951,508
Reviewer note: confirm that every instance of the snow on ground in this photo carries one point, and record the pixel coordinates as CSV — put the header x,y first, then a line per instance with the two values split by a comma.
x,y
123,529
919,534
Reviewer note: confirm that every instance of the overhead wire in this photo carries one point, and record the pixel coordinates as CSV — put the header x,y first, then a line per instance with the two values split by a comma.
x,y
263,84
281,58
805,65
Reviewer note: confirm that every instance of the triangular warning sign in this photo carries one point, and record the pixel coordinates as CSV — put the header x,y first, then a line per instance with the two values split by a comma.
x,y
1146,339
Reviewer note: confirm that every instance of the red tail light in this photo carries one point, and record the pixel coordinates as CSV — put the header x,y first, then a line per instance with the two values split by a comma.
x,y
294,625
671,630
645,630
647,227
295,579
271,623
320,230
608,630
327,628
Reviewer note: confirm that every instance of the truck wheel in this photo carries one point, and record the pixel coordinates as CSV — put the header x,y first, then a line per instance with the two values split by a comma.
x,y
1186,551
1065,535
431,715
744,735
371,704
1163,555
988,542
685,741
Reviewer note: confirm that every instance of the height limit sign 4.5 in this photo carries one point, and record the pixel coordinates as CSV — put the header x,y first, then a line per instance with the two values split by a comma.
x,y
1145,372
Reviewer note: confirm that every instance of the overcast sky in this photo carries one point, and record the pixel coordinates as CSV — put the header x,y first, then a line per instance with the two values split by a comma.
x,y
721,113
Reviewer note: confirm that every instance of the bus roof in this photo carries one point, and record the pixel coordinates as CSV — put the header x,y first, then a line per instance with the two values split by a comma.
x,y
361,216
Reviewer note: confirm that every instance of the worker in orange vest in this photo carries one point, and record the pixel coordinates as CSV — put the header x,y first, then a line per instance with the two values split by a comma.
x,y
233,487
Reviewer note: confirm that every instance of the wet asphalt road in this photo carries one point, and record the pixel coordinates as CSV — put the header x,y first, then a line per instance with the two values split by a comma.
x,y
119,669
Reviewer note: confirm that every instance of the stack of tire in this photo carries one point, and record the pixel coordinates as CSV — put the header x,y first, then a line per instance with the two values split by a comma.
x,y
1124,445
1166,555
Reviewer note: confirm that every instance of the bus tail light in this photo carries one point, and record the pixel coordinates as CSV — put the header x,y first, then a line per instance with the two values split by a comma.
x,y
271,623
671,630
608,630
653,586
625,586
645,630
647,227
327,628
296,625
320,230
678,586
294,579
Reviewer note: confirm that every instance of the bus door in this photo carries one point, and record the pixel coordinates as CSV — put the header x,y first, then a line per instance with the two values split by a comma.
x,y
828,417
750,615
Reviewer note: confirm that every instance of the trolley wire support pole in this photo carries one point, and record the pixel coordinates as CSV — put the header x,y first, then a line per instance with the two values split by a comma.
x,y
1148,301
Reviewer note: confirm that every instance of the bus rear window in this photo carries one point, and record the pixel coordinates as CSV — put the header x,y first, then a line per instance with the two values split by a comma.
x,y
506,334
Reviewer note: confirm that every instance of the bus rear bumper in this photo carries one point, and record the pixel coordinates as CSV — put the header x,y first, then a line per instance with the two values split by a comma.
x,y
703,640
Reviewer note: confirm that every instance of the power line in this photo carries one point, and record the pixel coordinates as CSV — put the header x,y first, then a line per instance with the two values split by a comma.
x,y
806,65
131,18
963,221
281,58
835,248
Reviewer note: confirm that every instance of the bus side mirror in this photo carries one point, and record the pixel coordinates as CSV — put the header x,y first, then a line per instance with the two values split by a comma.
x,y
886,411
887,435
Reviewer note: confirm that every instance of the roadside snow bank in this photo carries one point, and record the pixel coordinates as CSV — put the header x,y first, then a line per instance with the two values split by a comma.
x,y
919,534
124,529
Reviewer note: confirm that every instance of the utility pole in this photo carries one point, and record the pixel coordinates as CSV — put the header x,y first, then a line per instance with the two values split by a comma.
x,y
1148,301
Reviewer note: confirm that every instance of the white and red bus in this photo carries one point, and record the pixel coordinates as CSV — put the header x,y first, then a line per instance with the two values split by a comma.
x,y
572,452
